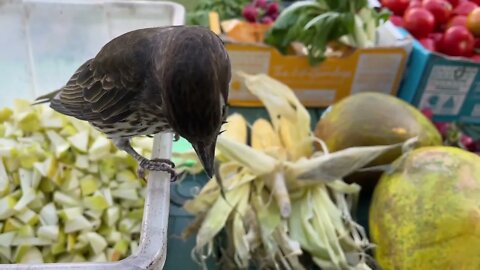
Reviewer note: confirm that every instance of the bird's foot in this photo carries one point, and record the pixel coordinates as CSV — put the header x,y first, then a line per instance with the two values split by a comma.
x,y
157,164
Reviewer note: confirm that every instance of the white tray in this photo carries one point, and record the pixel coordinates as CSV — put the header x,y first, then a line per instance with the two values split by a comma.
x,y
42,42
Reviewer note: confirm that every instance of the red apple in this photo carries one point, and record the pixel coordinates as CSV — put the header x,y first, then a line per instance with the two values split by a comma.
x,y
475,57
458,41
464,8
414,4
419,22
428,44
454,3
398,7
457,20
441,10
437,39
396,20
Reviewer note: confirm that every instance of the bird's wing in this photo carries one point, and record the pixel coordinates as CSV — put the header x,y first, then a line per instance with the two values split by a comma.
x,y
103,88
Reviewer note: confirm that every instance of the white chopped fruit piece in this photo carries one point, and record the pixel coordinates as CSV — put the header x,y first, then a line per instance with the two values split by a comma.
x,y
97,242
63,199
36,178
82,162
46,168
108,195
112,215
95,202
50,119
27,216
127,194
26,178
93,168
99,149
7,205
94,214
100,257
30,241
133,247
113,237
71,182
12,225
32,256
28,196
6,253
48,215
79,141
126,175
4,182
77,258
49,232
19,252
59,144
77,223
6,238
125,225
70,213
88,185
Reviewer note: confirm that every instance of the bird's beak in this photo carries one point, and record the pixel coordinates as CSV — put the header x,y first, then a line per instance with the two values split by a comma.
x,y
206,154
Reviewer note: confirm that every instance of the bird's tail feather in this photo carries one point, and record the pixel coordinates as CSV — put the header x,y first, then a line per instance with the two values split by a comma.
x,y
46,98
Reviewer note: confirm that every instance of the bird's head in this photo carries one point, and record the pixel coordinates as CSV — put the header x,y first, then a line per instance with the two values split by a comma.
x,y
195,75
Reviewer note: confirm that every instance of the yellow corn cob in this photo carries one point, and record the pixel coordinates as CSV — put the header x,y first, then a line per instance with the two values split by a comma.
x,y
289,117
264,138
236,128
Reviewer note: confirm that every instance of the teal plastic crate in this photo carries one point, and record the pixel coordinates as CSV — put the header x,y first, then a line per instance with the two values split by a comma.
x,y
450,86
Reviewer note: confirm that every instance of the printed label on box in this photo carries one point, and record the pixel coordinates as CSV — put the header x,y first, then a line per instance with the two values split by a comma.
x,y
376,72
447,88
252,62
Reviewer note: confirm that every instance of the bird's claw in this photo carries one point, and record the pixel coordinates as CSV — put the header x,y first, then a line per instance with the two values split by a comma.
x,y
157,164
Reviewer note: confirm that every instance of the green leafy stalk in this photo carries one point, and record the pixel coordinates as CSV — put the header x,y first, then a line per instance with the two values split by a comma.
x,y
316,23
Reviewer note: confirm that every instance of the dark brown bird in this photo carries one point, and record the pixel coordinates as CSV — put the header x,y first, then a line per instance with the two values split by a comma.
x,y
166,79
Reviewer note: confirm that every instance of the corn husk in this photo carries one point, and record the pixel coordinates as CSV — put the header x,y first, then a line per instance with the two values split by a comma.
x,y
282,199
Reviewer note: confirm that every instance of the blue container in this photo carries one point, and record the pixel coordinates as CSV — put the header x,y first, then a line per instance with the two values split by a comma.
x,y
450,86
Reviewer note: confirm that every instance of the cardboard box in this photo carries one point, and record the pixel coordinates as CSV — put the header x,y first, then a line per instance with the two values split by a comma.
x,y
450,86
377,69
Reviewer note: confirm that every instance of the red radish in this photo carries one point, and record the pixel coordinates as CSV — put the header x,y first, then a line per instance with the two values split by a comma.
x,y
398,7
473,22
260,3
476,2
266,20
457,20
442,128
428,113
419,22
467,142
250,13
428,44
458,41
477,43
272,8
396,20
464,8
441,10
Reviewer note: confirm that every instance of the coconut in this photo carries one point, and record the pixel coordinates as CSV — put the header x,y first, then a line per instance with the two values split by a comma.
x,y
425,213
